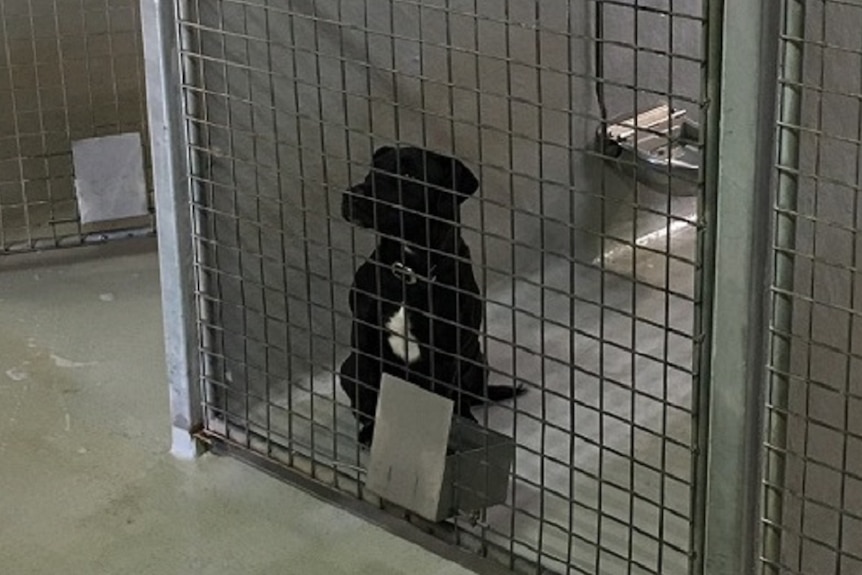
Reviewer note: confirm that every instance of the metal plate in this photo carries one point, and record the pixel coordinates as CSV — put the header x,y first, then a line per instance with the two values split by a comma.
x,y
408,454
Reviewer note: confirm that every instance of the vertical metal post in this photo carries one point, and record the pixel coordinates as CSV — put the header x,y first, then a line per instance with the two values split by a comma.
x,y
741,89
174,223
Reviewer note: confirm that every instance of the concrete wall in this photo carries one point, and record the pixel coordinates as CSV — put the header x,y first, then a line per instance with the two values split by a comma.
x,y
68,70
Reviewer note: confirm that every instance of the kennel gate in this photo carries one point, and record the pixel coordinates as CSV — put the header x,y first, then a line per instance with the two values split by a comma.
x,y
68,71
602,294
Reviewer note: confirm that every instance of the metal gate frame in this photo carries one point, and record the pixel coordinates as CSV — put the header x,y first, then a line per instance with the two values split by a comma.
x,y
739,186
174,216
742,39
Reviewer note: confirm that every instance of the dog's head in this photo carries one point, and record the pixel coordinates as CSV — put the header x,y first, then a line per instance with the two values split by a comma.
x,y
410,194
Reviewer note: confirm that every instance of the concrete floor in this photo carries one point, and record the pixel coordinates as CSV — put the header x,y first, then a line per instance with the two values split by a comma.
x,y
87,484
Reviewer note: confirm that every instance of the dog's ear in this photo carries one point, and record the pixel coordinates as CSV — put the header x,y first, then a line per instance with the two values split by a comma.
x,y
463,180
461,184
380,151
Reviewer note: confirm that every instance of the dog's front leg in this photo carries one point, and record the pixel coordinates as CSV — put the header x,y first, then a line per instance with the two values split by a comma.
x,y
360,379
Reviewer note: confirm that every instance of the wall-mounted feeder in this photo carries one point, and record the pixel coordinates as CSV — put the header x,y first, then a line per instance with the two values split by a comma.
x,y
659,146
431,463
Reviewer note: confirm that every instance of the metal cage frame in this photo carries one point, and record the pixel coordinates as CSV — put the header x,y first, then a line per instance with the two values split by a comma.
x,y
742,49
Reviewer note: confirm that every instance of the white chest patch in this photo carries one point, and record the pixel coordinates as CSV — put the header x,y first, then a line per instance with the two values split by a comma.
x,y
401,341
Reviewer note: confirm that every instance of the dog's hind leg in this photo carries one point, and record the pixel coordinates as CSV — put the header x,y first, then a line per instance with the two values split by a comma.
x,y
474,375
474,379
360,379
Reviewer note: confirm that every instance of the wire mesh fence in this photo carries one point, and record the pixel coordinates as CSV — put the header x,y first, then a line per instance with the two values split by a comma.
x,y
812,518
68,71
585,276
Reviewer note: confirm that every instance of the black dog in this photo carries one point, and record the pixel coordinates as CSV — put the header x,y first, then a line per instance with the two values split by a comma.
x,y
415,302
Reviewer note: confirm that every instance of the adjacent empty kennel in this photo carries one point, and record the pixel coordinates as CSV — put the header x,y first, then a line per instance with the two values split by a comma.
x,y
69,71
603,292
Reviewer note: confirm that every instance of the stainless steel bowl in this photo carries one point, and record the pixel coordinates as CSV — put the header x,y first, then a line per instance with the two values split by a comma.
x,y
659,147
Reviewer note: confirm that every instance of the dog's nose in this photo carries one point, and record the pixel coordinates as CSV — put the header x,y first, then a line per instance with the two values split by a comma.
x,y
349,208
345,205
352,208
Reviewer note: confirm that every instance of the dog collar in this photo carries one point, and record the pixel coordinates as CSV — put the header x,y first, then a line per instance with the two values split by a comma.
x,y
409,276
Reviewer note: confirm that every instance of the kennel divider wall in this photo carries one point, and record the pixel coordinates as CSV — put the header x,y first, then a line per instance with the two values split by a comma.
x,y
812,478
